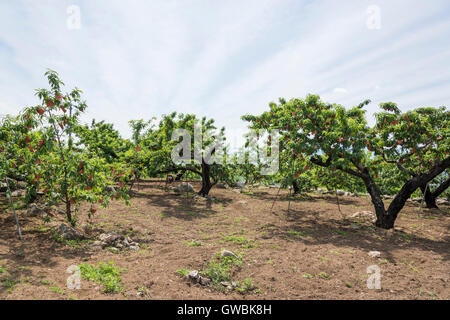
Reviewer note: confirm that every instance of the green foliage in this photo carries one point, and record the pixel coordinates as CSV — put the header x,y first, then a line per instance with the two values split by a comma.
x,y
155,146
246,286
221,268
351,153
37,147
182,272
194,243
241,240
8,283
106,274
103,140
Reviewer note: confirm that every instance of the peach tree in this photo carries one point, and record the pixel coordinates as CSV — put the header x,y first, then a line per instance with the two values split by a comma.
x,y
332,137
64,173
157,147
415,142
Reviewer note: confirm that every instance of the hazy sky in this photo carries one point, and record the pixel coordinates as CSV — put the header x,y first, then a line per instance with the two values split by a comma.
x,y
138,59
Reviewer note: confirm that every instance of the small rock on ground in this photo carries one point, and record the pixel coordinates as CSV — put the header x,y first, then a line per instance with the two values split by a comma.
x,y
226,253
68,233
115,241
35,211
185,187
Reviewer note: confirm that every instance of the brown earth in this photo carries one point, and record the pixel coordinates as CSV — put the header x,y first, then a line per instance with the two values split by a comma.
x,y
310,252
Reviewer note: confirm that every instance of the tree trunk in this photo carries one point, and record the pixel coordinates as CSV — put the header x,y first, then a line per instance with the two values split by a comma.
x,y
295,187
386,218
179,175
377,202
206,180
68,211
429,199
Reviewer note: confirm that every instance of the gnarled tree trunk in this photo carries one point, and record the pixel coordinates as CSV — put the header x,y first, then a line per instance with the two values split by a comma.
x,y
431,196
386,218
295,187
206,179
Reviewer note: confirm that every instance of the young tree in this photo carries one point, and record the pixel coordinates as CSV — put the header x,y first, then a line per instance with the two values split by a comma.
x,y
338,139
64,173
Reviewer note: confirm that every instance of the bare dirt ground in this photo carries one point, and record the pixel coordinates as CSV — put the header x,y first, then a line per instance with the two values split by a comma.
x,y
310,252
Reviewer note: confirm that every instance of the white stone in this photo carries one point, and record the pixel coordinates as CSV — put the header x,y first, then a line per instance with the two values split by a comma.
x,y
375,254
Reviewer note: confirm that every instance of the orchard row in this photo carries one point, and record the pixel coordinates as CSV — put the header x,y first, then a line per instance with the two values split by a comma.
x,y
321,144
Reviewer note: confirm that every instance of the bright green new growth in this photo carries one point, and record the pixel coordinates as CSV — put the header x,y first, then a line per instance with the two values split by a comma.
x,y
221,268
106,273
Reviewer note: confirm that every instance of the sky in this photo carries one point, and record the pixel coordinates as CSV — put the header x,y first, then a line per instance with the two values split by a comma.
x,y
138,59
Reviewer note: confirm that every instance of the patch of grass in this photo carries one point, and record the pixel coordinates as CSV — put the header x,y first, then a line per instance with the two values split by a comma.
x,y
57,290
26,280
342,233
42,229
308,276
432,295
293,233
243,241
164,215
143,291
412,267
194,243
3,269
45,282
221,268
348,285
407,237
113,250
182,272
267,226
239,219
324,275
246,286
106,274
72,243
9,283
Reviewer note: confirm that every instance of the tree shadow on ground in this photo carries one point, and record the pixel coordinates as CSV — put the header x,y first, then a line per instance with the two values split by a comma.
x,y
284,196
37,249
305,227
180,205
